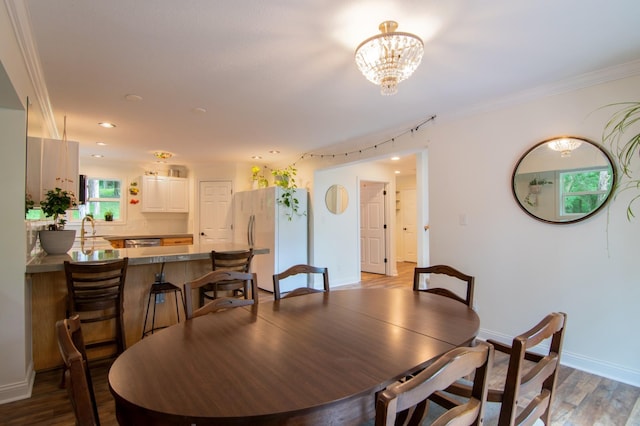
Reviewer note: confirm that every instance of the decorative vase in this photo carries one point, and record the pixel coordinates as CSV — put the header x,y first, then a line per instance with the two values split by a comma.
x,y
254,184
57,242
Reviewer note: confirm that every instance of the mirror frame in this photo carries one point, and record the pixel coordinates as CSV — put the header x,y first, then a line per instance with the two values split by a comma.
x,y
604,153
328,196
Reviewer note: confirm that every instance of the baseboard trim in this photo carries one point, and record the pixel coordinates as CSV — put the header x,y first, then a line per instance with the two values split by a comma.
x,y
580,362
18,390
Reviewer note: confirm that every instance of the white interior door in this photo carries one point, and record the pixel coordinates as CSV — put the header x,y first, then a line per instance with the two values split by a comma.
x,y
408,211
372,227
216,213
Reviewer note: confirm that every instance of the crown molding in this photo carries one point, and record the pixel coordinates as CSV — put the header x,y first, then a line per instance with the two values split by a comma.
x,y
21,23
616,72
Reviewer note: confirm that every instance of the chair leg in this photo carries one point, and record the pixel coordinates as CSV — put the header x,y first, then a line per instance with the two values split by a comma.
x,y
144,325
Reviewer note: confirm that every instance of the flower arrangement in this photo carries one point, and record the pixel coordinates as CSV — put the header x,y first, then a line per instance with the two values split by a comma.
x,y
256,176
55,205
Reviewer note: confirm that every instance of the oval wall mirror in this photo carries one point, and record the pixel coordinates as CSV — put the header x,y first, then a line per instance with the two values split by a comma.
x,y
563,180
336,199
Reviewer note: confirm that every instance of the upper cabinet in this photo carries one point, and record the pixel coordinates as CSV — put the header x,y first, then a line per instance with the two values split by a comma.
x,y
165,194
51,163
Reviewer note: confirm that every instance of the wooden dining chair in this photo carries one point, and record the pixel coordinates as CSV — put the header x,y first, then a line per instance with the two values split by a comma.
x,y
531,377
227,261
451,272
300,269
407,402
248,280
96,292
78,378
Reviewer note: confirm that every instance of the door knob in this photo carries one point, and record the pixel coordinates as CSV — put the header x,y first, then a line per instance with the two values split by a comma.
x,y
202,233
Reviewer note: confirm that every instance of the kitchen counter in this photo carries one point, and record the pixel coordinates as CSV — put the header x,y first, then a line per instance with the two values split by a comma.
x,y
43,262
46,285
141,236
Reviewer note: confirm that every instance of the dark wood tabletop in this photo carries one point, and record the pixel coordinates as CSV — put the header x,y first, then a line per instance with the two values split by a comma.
x,y
313,359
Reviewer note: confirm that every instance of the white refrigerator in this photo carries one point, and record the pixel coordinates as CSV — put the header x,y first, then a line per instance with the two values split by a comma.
x,y
261,222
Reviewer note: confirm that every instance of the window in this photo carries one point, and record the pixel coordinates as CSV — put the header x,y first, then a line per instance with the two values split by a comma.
x,y
582,191
103,195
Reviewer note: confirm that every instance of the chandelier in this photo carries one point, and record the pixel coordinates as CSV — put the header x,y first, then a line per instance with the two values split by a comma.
x,y
390,57
564,146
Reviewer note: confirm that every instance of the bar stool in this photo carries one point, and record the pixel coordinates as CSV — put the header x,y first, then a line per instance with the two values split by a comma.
x,y
160,286
95,292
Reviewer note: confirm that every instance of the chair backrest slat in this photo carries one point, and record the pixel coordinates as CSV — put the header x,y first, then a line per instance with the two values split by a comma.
x,y
78,379
300,269
414,392
449,271
250,280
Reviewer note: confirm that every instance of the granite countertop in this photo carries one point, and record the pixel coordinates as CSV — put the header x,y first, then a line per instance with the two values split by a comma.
x,y
42,262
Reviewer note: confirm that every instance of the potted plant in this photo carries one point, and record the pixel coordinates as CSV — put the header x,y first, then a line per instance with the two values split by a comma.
x,y
108,216
285,179
622,132
55,239
535,186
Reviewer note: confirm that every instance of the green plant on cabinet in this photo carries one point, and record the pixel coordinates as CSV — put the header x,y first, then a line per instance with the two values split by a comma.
x,y
285,179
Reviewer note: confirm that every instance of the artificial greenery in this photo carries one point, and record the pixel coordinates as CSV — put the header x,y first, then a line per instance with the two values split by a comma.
x,y
622,134
538,181
285,179
55,204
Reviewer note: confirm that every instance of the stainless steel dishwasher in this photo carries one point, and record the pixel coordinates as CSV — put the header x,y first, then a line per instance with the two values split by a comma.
x,y
143,242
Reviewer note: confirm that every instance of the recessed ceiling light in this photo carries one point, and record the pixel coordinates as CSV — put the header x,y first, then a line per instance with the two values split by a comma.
x,y
397,172
97,155
256,157
101,143
107,125
274,151
199,110
133,98
395,158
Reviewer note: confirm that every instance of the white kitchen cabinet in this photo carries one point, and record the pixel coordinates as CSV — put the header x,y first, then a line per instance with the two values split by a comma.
x,y
164,194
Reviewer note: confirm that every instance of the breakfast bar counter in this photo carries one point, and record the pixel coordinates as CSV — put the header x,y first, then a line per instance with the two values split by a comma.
x,y
47,284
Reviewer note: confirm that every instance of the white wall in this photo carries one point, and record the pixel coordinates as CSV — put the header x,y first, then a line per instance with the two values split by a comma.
x,y
336,237
523,268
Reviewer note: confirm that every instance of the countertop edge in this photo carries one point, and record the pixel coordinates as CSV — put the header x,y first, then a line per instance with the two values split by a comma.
x,y
42,263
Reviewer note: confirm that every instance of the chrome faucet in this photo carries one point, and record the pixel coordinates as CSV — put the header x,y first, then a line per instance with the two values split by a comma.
x,y
93,227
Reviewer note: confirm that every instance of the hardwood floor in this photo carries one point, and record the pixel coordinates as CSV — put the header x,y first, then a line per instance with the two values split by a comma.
x,y
582,399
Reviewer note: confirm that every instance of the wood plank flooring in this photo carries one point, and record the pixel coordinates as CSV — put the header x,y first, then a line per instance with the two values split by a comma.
x,y
582,399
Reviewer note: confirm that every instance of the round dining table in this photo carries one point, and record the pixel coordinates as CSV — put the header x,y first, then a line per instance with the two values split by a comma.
x,y
313,359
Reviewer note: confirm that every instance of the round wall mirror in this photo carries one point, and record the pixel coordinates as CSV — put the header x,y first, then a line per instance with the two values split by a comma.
x,y
336,199
563,180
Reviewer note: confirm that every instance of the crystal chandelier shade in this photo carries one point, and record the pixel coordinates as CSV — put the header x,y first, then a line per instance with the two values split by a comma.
x,y
390,57
564,146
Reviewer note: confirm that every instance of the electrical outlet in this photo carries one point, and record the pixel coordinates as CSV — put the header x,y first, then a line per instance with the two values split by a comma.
x,y
159,298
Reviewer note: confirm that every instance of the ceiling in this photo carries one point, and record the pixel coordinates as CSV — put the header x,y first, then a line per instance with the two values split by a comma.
x,y
280,74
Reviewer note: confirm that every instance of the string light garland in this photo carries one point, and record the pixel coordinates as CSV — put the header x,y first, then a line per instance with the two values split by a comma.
x,y
368,148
